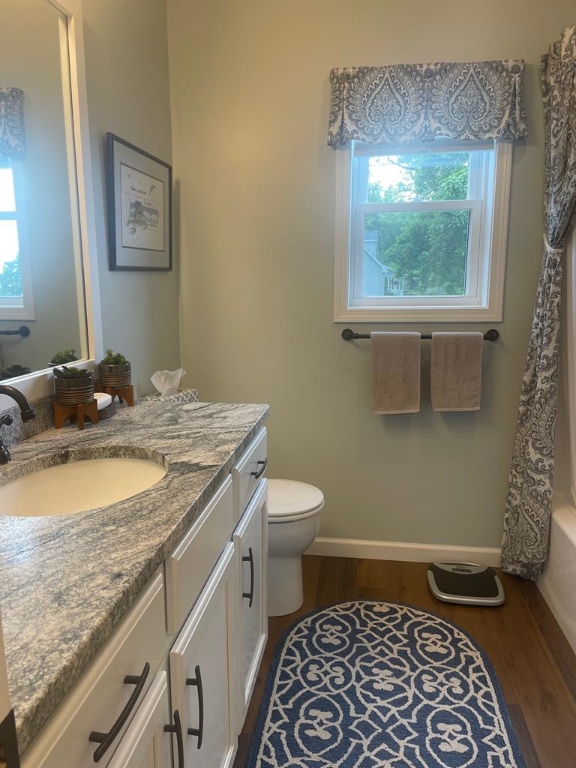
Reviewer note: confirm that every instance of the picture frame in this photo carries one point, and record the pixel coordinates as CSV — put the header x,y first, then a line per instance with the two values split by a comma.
x,y
139,208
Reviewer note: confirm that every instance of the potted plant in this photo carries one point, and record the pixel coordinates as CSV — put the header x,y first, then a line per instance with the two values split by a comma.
x,y
13,370
114,370
73,386
65,356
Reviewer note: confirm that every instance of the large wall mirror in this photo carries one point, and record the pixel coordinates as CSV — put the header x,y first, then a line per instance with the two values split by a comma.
x,y
46,210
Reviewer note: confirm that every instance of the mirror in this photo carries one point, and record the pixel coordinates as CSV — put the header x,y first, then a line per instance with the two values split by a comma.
x,y
46,222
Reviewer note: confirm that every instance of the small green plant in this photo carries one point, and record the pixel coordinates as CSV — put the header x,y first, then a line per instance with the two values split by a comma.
x,y
63,372
66,356
113,358
13,370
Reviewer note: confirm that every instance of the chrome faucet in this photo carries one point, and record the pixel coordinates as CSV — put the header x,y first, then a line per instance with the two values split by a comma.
x,y
27,413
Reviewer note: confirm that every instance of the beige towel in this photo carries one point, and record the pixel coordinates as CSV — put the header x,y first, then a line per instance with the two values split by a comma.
x,y
395,372
456,371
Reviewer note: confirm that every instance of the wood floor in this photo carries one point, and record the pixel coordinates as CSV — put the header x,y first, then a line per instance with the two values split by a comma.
x,y
532,658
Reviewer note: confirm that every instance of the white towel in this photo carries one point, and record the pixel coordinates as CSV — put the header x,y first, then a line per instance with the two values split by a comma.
x,y
456,371
395,372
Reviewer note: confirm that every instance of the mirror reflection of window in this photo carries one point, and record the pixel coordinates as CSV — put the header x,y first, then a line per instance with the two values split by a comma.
x,y
12,292
41,255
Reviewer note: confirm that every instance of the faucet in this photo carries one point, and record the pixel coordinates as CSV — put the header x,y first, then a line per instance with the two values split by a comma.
x,y
27,413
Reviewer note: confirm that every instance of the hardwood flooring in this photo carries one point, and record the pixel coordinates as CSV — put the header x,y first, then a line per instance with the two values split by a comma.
x,y
533,660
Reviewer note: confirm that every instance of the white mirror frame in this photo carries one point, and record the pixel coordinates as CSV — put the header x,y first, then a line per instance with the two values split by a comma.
x,y
41,383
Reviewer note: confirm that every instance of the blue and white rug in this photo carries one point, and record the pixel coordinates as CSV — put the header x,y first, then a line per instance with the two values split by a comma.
x,y
379,685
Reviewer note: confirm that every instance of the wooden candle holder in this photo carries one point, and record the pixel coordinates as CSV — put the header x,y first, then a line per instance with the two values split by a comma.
x,y
63,413
125,393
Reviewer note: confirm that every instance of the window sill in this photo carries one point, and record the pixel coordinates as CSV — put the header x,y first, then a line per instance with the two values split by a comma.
x,y
418,315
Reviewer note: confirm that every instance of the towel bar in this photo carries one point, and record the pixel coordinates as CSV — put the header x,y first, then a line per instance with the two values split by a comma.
x,y
22,331
349,335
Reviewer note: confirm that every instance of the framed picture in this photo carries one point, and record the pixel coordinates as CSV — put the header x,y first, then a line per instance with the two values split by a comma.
x,y
139,208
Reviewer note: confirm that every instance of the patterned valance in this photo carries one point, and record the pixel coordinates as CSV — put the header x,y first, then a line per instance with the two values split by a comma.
x,y
12,122
482,100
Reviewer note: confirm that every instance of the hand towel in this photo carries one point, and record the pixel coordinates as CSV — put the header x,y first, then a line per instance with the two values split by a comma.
x,y
456,371
395,372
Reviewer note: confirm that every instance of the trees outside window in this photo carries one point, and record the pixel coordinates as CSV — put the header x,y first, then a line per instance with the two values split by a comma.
x,y
419,234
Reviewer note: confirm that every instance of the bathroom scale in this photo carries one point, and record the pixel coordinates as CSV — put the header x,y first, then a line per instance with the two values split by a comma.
x,y
465,583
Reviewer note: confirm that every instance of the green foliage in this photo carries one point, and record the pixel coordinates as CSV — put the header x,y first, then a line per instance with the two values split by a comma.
x,y
427,250
65,356
63,372
113,358
13,370
11,279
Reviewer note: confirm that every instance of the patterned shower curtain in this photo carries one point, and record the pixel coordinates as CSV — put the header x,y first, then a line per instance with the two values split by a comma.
x,y
528,507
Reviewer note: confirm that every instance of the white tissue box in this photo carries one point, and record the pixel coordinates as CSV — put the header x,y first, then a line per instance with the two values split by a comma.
x,y
182,396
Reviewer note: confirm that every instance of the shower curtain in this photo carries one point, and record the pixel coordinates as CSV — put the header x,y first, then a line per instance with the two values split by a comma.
x,y
528,506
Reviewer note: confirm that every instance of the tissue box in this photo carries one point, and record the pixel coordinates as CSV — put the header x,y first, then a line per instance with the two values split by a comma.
x,y
182,396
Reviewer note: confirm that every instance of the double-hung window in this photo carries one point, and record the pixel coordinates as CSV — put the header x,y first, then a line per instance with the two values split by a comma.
x,y
15,280
421,230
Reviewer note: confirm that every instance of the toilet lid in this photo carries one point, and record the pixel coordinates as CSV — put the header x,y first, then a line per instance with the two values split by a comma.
x,y
292,499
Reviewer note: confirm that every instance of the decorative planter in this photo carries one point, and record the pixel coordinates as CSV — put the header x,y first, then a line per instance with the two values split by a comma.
x,y
114,375
78,390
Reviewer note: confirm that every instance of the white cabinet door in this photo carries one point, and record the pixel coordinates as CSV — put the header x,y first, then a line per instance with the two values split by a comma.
x,y
146,743
250,538
203,670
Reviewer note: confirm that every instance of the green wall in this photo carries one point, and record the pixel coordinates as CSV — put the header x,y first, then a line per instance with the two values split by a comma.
x,y
250,97
128,95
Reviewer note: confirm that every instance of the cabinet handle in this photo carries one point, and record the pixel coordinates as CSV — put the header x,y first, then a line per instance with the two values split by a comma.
x,y
262,469
106,739
197,681
249,558
177,729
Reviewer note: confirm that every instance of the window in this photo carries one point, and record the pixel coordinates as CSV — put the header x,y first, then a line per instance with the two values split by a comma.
x,y
15,283
421,231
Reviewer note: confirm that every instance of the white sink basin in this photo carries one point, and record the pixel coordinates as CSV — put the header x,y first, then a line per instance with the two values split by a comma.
x,y
78,486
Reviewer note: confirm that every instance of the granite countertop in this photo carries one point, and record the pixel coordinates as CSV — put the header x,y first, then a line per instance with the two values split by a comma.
x,y
66,581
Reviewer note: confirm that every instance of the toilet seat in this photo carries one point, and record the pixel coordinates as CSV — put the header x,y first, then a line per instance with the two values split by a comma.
x,y
292,500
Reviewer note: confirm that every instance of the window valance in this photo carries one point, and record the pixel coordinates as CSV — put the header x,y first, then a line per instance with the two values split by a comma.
x,y
481,100
12,122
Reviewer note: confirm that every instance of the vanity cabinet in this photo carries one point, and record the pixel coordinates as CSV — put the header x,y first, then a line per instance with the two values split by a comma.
x,y
171,687
88,726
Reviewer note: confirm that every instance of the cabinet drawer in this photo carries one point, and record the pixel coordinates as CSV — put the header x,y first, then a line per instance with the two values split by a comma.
x,y
189,566
98,700
247,472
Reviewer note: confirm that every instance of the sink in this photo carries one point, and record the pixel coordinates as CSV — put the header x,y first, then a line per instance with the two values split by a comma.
x,y
75,483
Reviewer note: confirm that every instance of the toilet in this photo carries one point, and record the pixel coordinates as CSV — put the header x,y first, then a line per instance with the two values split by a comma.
x,y
293,522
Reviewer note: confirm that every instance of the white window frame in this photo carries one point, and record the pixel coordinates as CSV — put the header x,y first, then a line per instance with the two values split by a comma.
x,y
485,290
15,307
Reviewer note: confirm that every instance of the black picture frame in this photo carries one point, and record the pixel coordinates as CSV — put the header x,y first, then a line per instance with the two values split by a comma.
x,y
139,208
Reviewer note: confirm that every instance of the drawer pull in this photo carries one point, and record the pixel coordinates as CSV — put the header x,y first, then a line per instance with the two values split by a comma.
x,y
177,729
106,739
262,469
249,558
197,681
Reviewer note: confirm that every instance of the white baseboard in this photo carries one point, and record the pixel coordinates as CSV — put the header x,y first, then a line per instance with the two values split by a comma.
x,y
398,550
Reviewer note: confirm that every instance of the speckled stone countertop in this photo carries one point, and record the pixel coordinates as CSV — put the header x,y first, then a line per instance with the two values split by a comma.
x,y
66,581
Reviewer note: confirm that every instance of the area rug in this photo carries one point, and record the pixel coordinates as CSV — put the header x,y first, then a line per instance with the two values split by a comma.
x,y
367,684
